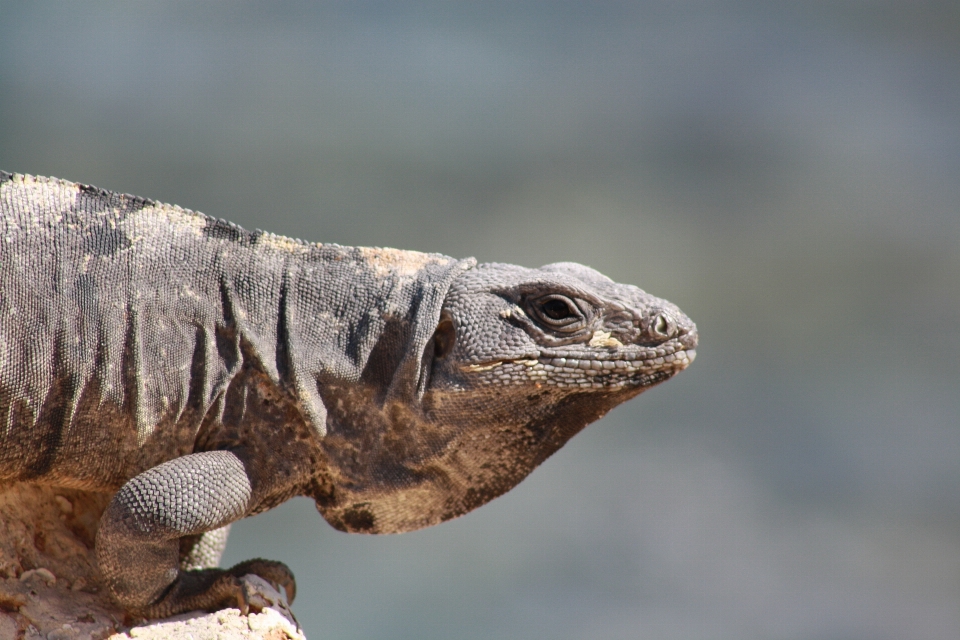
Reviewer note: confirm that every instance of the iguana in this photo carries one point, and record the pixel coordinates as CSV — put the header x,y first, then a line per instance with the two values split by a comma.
x,y
204,373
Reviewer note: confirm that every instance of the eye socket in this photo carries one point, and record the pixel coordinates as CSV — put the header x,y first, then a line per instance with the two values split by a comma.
x,y
558,312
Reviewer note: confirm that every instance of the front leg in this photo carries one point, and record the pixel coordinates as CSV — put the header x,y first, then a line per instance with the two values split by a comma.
x,y
203,551
138,542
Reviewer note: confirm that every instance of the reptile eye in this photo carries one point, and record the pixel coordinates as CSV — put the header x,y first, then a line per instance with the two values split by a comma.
x,y
558,312
557,309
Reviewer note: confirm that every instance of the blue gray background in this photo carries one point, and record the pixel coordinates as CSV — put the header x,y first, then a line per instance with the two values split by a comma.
x,y
787,172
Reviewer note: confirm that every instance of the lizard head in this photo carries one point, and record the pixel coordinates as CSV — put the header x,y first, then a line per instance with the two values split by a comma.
x,y
520,361
564,326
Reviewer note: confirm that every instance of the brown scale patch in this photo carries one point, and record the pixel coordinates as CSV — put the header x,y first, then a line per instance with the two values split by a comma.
x,y
265,427
358,519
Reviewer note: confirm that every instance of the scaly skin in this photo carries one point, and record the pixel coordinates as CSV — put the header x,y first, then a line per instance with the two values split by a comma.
x,y
204,373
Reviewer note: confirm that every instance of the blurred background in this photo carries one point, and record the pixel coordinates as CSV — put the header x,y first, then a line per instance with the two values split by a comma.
x,y
787,173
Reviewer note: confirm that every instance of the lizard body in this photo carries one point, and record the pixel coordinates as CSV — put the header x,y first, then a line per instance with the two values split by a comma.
x,y
203,373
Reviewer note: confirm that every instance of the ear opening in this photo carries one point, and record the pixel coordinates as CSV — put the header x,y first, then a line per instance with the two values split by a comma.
x,y
410,378
444,337
440,345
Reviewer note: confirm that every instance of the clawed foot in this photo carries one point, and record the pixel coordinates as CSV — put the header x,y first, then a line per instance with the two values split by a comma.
x,y
260,594
266,583
249,586
275,573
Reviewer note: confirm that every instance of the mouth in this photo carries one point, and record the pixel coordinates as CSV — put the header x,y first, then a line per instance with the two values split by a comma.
x,y
643,367
570,368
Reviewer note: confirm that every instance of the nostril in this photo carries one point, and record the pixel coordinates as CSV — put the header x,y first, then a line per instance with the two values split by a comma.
x,y
662,327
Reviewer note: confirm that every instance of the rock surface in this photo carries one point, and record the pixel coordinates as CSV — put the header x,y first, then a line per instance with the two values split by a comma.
x,y
49,585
